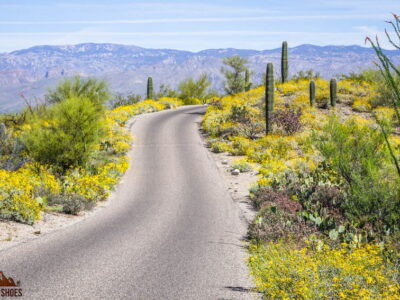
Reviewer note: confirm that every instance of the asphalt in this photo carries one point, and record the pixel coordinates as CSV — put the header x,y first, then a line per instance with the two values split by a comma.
x,y
171,230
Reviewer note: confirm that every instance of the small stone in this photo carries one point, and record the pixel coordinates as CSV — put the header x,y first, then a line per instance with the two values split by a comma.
x,y
235,172
224,162
236,191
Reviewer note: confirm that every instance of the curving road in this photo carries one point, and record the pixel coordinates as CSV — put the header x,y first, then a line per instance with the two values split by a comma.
x,y
171,230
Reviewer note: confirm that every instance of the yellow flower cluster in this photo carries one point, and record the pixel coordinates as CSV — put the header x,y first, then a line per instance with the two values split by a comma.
x,y
283,272
20,190
278,152
94,187
361,105
23,192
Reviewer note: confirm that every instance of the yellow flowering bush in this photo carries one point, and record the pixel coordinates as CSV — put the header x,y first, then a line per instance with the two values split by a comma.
x,y
361,105
282,271
23,192
94,187
294,176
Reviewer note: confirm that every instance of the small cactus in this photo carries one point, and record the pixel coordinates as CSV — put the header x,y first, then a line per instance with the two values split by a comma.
x,y
284,62
333,89
247,83
150,90
312,93
269,97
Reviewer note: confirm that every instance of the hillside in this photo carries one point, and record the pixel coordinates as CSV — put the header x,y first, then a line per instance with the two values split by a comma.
x,y
126,68
325,188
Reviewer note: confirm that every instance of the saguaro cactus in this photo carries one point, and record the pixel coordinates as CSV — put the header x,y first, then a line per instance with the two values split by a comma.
x,y
150,90
284,62
269,97
247,83
333,89
312,93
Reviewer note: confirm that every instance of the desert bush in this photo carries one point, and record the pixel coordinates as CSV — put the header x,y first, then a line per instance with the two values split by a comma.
x,y
219,147
71,203
358,154
247,119
306,75
278,218
288,120
242,165
166,91
11,150
68,136
121,100
92,89
282,271
195,91
23,192
239,145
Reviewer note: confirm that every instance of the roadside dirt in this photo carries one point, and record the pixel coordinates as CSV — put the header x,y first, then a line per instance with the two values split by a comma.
x,y
13,233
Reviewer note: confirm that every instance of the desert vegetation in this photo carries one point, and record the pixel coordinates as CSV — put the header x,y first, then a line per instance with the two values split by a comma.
x,y
327,153
328,193
69,153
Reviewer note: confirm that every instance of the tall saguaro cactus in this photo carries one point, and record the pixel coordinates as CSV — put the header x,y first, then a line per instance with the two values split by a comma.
x,y
284,62
312,93
150,90
333,89
269,97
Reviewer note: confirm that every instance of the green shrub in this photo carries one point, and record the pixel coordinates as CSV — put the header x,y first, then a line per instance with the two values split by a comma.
x,y
247,121
358,153
234,71
219,147
120,100
68,136
11,150
194,92
91,88
306,75
71,203
384,95
242,165
278,218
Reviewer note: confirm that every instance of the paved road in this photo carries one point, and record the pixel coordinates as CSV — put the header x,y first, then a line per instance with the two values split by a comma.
x,y
170,232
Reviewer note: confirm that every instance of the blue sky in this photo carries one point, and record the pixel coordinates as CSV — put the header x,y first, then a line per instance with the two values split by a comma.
x,y
192,25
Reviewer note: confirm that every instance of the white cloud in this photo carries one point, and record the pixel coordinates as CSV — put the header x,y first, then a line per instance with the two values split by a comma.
x,y
197,20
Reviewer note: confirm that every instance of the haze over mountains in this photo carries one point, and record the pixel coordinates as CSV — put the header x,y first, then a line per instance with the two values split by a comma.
x,y
32,71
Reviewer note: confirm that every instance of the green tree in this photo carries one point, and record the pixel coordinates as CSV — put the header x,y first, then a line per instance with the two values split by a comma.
x,y
190,89
234,74
166,91
68,135
92,89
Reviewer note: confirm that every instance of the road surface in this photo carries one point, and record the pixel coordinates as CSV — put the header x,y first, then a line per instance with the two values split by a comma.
x,y
171,230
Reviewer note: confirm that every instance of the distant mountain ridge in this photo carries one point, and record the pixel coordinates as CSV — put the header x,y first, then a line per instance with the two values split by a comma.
x,y
126,67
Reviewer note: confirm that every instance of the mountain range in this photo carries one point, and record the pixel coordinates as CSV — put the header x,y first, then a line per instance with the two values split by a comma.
x,y
30,72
